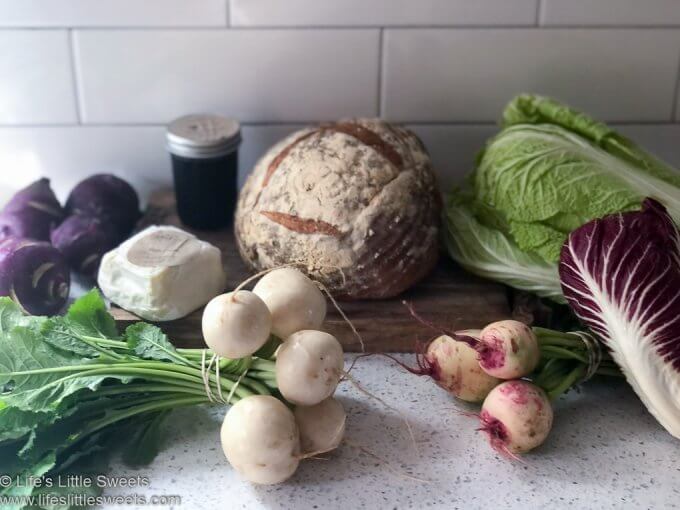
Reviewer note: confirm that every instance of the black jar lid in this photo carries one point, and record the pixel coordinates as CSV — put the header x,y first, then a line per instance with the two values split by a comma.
x,y
203,136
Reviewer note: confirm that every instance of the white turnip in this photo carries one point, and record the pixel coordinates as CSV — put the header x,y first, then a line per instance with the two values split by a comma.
x,y
309,365
236,325
516,416
321,426
295,302
260,440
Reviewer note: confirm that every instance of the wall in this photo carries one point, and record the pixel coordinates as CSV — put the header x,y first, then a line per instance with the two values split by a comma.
x,y
87,85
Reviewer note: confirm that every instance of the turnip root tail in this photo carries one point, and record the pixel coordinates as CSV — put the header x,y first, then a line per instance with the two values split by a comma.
x,y
423,368
389,467
258,275
471,341
342,314
517,417
497,434
276,305
337,436
363,390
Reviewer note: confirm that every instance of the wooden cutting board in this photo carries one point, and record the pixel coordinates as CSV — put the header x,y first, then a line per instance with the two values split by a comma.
x,y
449,297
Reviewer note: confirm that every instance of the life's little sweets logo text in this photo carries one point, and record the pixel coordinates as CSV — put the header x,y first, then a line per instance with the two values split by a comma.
x,y
75,481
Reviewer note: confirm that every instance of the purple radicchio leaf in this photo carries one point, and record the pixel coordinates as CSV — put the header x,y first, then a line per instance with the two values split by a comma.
x,y
621,276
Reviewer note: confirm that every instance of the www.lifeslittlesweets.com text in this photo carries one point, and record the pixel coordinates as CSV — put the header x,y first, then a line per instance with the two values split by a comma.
x,y
46,500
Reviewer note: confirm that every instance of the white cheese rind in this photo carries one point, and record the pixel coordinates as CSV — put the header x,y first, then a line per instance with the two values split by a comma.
x,y
162,292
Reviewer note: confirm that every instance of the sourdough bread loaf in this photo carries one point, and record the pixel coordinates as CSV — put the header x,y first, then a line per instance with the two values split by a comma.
x,y
354,203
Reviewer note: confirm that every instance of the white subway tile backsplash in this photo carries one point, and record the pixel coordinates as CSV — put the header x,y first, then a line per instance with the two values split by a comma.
x,y
469,75
256,141
68,154
36,83
137,153
453,149
662,141
611,12
253,75
108,13
382,12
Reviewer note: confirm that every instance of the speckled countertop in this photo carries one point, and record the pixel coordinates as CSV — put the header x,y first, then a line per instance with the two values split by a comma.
x,y
605,451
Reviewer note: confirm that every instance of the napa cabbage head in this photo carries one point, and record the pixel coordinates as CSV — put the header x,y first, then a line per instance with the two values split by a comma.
x,y
550,170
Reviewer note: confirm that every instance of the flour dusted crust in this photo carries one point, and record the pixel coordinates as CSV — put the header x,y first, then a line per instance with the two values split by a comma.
x,y
354,202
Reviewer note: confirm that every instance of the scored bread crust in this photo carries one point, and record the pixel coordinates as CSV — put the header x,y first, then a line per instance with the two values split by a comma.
x,y
354,203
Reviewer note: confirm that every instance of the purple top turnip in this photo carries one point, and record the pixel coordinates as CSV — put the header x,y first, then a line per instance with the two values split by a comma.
x,y
455,368
107,197
453,365
34,274
505,349
508,349
517,417
83,240
32,212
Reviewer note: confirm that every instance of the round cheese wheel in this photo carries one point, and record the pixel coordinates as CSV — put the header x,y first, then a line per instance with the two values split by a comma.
x,y
353,203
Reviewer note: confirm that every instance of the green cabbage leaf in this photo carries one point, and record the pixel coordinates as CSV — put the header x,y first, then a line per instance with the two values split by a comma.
x,y
550,170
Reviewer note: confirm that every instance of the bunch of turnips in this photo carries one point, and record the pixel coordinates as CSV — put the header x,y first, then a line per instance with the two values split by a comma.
x,y
285,305
41,241
515,371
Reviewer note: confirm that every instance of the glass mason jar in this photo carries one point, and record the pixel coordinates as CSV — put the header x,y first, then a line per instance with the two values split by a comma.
x,y
204,152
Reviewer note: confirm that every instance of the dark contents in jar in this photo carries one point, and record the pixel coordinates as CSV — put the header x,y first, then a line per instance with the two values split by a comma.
x,y
205,189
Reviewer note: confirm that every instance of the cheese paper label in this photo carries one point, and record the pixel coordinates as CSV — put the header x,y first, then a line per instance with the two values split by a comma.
x,y
163,248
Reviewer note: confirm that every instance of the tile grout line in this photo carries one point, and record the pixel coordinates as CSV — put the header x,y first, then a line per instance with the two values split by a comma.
x,y
540,6
74,77
676,94
530,25
379,92
302,123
